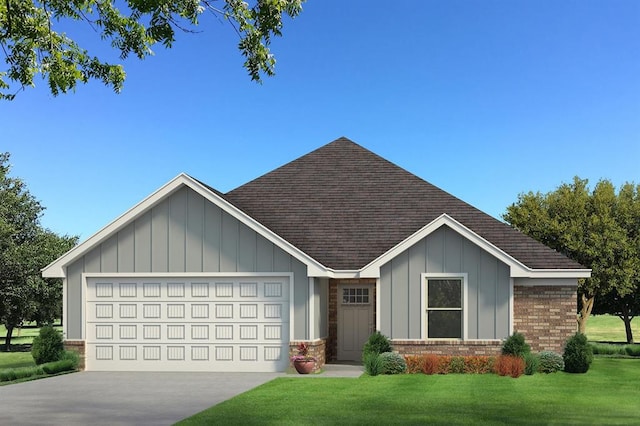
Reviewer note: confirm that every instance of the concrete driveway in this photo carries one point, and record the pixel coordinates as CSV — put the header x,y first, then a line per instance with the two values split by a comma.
x,y
101,398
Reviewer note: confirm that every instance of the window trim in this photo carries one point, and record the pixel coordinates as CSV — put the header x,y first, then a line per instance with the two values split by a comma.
x,y
424,279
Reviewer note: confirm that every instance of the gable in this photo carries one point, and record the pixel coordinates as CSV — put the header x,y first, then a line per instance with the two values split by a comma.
x,y
182,227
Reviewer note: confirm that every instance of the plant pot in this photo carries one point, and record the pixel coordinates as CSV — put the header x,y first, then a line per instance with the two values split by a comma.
x,y
304,367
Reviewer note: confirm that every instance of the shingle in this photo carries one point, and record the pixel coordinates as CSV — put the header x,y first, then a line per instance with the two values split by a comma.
x,y
345,206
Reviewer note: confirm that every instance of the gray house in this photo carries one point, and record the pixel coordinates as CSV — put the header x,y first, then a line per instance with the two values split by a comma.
x,y
325,249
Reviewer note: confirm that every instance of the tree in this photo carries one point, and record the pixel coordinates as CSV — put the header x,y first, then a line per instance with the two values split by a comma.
x,y
25,248
599,229
33,40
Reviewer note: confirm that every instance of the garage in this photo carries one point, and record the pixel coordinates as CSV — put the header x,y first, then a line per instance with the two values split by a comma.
x,y
188,323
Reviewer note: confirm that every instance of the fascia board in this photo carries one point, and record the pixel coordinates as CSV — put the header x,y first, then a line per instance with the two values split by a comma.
x,y
57,268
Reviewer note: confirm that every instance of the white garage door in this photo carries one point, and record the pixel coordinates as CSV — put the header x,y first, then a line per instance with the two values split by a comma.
x,y
190,324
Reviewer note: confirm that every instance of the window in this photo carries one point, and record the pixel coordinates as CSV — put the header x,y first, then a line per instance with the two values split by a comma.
x,y
444,308
353,296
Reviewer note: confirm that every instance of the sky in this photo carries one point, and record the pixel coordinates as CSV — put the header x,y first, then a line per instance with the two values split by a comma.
x,y
485,99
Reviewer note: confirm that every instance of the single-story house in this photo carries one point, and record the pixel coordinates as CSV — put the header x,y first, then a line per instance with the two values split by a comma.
x,y
325,250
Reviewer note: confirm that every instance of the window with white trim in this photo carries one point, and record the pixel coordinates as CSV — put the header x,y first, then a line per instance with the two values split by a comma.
x,y
444,308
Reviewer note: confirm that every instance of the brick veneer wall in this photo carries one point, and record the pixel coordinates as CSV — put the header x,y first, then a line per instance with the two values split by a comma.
x,y
447,347
317,349
546,315
76,346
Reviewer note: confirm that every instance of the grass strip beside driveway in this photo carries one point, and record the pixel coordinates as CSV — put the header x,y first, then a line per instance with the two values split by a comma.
x,y
607,394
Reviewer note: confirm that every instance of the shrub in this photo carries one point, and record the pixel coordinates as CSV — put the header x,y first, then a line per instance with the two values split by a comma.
x,y
376,344
56,367
414,363
430,364
73,356
479,364
531,363
372,364
457,364
577,354
509,365
392,363
515,345
632,350
47,346
607,349
7,375
550,362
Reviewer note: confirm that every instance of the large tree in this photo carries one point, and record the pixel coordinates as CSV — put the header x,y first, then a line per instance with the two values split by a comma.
x,y
25,248
33,40
599,228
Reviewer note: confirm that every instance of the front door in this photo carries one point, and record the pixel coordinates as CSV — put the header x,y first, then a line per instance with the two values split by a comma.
x,y
355,320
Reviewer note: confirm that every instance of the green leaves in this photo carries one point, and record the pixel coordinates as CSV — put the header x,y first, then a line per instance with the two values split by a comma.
x,y
32,46
597,228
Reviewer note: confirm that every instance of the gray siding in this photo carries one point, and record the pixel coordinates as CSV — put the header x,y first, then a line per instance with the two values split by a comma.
x,y
186,233
445,251
321,307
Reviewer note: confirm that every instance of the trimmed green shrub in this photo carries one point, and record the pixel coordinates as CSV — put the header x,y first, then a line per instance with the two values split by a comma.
x,y
577,354
392,363
550,362
376,344
531,363
607,349
73,356
58,366
7,375
632,350
47,346
373,364
515,345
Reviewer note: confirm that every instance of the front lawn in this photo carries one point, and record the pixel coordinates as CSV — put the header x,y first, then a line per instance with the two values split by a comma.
x,y
16,360
607,394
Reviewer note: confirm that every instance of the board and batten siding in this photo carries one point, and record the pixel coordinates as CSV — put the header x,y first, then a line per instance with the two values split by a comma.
x,y
185,233
445,251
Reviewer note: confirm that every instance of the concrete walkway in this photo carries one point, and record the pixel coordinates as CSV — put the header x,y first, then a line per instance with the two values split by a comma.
x,y
132,398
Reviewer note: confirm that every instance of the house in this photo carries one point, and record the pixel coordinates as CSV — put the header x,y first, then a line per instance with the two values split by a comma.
x,y
325,249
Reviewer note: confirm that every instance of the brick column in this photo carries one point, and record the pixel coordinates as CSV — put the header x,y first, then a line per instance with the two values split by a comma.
x,y
78,347
546,315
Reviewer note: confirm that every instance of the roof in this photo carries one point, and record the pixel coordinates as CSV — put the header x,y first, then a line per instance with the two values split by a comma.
x,y
345,206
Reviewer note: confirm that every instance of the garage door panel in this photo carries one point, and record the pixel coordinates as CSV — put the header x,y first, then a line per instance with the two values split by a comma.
x,y
218,324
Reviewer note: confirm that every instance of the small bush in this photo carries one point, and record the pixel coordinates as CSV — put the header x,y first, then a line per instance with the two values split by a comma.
x,y
58,366
479,364
372,364
550,362
531,363
509,365
73,356
607,349
414,363
392,363
7,375
47,346
376,344
577,354
632,350
515,345
457,365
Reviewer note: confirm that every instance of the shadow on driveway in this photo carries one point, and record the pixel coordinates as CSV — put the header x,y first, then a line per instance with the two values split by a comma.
x,y
119,398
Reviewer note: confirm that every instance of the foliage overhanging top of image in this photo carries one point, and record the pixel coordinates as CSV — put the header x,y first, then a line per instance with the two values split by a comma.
x,y
32,43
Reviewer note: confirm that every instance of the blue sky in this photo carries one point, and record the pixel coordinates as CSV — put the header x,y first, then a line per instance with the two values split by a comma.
x,y
485,99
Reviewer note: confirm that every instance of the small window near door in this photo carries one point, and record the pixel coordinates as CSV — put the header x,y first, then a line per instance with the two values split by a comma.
x,y
355,296
444,308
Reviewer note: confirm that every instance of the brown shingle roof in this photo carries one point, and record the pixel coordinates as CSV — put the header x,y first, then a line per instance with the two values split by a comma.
x,y
345,206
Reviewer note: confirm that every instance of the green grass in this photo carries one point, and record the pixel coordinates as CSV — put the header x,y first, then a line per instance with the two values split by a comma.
x,y
607,394
610,328
16,360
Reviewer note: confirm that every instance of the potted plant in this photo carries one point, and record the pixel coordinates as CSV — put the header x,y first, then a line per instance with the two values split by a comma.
x,y
303,362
